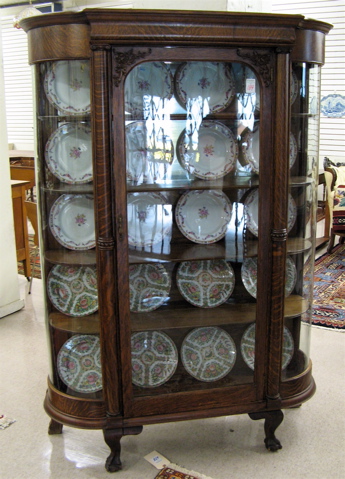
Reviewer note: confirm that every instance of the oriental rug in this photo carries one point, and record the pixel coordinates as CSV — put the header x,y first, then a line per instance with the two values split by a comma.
x,y
329,290
34,257
176,472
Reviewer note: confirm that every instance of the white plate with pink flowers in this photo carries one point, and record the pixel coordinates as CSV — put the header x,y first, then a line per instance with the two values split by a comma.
x,y
72,222
203,215
68,153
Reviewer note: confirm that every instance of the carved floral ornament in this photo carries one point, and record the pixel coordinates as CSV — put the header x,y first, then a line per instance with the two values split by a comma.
x,y
260,60
122,60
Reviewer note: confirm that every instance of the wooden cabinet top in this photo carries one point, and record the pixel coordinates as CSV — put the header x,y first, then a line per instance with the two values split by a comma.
x,y
68,35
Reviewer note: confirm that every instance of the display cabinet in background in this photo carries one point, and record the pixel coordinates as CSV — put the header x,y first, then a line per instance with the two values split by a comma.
x,y
177,159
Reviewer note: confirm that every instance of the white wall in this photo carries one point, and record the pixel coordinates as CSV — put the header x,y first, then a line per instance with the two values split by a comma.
x,y
9,289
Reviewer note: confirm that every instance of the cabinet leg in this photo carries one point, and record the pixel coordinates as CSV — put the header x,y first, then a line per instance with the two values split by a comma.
x,y
272,420
54,427
112,438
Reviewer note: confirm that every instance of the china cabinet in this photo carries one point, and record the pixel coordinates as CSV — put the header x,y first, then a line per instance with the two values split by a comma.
x,y
177,169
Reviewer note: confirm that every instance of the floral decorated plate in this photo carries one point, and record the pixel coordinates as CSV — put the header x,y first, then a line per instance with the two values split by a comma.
x,y
67,86
249,274
149,152
210,154
149,218
206,283
68,153
73,289
251,206
79,363
72,223
293,150
209,83
154,358
248,347
203,215
250,148
208,354
146,88
149,286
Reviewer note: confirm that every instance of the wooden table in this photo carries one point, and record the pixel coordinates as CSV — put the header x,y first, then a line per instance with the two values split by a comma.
x,y
22,166
21,224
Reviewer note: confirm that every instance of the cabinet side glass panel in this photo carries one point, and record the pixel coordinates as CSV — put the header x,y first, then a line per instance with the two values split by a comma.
x,y
303,190
193,153
67,242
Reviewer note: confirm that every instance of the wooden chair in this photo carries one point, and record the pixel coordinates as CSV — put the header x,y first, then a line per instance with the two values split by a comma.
x,y
31,211
334,178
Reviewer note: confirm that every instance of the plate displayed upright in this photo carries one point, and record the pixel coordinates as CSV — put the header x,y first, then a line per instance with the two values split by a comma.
x,y
211,84
250,148
203,215
79,363
208,354
154,358
149,286
68,153
67,86
207,283
146,88
149,152
248,347
149,218
72,222
211,153
73,289
251,206
249,275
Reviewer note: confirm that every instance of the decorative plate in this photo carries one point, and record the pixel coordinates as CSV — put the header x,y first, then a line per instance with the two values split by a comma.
x,y
248,347
210,84
293,150
154,358
208,354
211,153
207,283
73,289
149,152
79,363
294,88
203,215
149,218
149,286
68,153
72,223
249,274
251,205
67,86
146,86
250,148
333,106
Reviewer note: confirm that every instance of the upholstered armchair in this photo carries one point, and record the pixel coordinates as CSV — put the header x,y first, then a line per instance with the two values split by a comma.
x,y
335,205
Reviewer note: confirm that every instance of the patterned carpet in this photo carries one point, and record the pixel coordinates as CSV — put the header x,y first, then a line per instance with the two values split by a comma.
x,y
329,290
177,472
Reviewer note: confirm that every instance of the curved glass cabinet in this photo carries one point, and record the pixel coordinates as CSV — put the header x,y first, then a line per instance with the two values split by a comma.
x,y
177,200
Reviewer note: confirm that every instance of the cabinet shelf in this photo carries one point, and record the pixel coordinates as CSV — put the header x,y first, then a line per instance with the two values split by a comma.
x,y
230,181
182,316
71,257
70,189
85,325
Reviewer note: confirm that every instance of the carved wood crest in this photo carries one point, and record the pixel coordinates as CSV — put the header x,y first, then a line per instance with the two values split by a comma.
x,y
122,60
260,60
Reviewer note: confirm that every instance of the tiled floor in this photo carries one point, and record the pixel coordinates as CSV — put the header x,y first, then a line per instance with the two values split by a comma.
x,y
223,448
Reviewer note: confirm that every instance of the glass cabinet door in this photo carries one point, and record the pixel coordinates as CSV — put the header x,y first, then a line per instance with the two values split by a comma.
x,y
66,205
193,156
304,154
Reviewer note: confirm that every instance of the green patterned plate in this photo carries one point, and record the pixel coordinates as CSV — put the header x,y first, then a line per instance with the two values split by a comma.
x,y
149,286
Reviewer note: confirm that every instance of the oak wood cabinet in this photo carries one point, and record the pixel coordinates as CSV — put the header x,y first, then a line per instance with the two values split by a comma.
x,y
177,158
